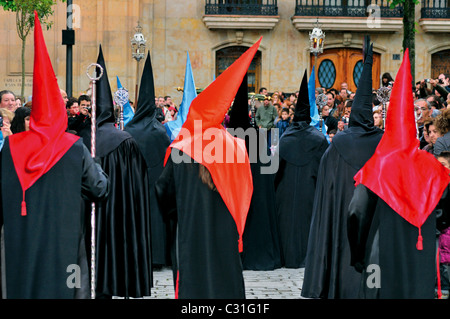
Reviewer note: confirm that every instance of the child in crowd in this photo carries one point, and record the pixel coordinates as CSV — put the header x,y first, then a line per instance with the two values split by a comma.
x,y
444,237
284,122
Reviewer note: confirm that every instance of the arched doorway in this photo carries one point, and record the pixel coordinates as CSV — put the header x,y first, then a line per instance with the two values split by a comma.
x,y
335,66
226,56
440,63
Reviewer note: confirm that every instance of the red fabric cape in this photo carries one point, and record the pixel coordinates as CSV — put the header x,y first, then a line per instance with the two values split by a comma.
x,y
205,140
411,181
34,152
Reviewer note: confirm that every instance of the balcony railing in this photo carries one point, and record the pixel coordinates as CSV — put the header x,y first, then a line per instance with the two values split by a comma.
x,y
347,8
435,9
241,7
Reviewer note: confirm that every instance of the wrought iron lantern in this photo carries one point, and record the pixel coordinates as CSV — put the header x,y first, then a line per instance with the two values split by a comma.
x,y
316,39
138,43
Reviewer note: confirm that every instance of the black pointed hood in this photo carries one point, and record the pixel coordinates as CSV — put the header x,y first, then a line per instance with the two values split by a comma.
x,y
148,132
239,115
302,108
358,143
362,113
104,100
146,106
108,136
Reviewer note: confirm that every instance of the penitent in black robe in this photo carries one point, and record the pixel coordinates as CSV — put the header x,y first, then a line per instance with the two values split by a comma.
x,y
206,262
328,273
383,248
152,138
261,239
124,266
45,255
261,242
300,150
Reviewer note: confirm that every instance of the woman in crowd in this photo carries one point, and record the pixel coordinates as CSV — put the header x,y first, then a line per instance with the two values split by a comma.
x,y
378,119
442,124
21,121
5,124
7,118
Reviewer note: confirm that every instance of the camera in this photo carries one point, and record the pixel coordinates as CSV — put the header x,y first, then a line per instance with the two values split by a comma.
x,y
440,81
1,121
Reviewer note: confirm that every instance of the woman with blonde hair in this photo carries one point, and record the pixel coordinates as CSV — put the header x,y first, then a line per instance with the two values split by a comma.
x,y
378,119
7,117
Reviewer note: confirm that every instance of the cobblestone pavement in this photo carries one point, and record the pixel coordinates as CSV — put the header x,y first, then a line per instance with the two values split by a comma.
x,y
280,283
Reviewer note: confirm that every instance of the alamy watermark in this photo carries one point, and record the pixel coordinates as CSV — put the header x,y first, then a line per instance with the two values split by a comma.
x,y
74,278
374,18
73,16
209,148
373,276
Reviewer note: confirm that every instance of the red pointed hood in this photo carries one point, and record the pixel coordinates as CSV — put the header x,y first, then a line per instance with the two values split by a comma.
x,y
36,151
411,181
223,155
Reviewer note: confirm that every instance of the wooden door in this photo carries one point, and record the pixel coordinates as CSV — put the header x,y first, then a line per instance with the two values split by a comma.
x,y
335,66
440,63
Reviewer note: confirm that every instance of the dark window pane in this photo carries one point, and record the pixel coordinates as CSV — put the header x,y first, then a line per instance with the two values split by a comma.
x,y
327,74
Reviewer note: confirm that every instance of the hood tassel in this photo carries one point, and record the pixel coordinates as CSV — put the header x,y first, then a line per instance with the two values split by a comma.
x,y
240,244
419,244
24,206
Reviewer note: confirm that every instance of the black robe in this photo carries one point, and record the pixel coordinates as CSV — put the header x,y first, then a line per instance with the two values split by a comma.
x,y
261,242
45,250
328,273
153,141
206,263
300,149
123,249
383,248
260,238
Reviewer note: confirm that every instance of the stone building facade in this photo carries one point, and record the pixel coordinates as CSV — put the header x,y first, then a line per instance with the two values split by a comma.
x,y
216,32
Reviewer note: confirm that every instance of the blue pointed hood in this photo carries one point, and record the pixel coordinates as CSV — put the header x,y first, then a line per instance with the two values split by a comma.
x,y
189,93
315,117
312,99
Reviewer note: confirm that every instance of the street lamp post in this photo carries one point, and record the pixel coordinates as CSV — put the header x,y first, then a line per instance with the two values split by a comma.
x,y
68,39
138,43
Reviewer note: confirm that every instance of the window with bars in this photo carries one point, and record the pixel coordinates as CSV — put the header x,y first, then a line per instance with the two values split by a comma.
x,y
326,74
438,9
357,70
227,56
347,8
241,7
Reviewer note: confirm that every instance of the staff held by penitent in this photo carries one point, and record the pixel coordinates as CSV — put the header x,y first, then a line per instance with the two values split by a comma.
x,y
93,79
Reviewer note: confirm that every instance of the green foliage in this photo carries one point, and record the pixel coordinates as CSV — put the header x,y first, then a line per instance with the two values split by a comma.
x,y
24,10
8,5
397,2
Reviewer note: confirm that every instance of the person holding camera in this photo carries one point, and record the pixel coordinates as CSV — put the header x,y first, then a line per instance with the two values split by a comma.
x,y
82,125
444,79
437,87
6,117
